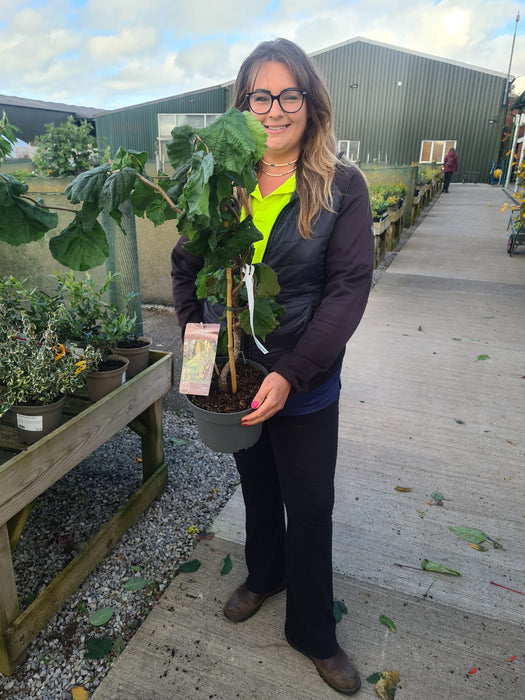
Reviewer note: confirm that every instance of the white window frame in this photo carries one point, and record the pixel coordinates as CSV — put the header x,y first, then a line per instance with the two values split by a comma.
x,y
173,120
444,144
350,148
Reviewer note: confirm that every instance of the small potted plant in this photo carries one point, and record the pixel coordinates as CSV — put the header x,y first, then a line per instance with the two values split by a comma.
x,y
36,369
91,321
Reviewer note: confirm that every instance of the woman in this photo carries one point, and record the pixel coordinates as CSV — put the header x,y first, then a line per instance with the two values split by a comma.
x,y
313,211
450,166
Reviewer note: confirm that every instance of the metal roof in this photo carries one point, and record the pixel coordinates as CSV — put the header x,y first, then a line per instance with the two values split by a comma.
x,y
82,112
410,51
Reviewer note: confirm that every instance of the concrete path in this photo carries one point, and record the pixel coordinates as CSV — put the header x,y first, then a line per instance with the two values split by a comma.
x,y
421,410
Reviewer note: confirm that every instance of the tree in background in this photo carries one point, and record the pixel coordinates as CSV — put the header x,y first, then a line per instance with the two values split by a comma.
x,y
66,149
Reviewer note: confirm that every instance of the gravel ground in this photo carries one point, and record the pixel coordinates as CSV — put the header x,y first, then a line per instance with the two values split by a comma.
x,y
200,483
66,516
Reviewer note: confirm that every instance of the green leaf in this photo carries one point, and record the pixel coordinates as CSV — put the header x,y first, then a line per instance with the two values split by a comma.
x,y
178,442
189,567
437,496
117,189
267,284
428,565
180,148
226,565
129,159
101,616
474,536
87,186
264,320
135,584
482,357
384,620
21,221
82,245
374,677
340,609
97,648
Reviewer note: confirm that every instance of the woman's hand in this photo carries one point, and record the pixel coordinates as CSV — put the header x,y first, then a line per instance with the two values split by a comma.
x,y
270,398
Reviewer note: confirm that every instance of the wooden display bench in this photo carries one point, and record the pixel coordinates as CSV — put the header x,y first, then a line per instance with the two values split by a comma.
x,y
380,238
393,233
137,404
417,203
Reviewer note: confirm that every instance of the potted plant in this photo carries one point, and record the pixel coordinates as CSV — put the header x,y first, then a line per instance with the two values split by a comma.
x,y
91,321
36,369
210,165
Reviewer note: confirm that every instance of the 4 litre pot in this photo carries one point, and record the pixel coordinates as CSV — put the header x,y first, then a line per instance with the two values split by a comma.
x,y
223,432
33,422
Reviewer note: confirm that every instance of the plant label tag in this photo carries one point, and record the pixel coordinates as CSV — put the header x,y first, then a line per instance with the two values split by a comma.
x,y
200,348
30,423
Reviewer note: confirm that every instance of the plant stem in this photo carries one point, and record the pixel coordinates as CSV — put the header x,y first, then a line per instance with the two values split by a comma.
x,y
229,322
160,191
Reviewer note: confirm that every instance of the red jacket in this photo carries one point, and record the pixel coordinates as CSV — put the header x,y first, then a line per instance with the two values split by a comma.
x,y
450,164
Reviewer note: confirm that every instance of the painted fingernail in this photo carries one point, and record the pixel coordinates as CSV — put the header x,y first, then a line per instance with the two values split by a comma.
x,y
255,404
243,422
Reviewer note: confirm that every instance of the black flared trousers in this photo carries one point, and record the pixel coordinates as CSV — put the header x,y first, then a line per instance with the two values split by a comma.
x,y
292,467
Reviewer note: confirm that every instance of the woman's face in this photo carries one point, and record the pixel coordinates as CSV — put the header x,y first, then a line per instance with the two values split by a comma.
x,y
284,130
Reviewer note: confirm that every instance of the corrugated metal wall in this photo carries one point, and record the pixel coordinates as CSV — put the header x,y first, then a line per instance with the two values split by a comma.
x,y
136,127
402,98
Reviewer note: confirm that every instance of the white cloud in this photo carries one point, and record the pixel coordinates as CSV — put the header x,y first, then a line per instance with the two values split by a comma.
x,y
111,53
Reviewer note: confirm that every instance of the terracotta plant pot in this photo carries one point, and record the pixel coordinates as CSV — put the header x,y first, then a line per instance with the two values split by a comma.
x,y
33,422
103,382
138,355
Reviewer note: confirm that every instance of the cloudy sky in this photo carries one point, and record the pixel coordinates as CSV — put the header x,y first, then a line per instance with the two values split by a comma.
x,y
115,53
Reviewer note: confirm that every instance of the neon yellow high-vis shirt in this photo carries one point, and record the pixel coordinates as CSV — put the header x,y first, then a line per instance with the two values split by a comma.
x,y
266,210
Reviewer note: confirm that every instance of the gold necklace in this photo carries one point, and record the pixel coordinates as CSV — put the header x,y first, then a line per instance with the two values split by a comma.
x,y
287,172
279,165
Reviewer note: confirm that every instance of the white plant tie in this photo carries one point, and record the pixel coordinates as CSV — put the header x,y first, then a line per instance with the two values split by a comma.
x,y
249,271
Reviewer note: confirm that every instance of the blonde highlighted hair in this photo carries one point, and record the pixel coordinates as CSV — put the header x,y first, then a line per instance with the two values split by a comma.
x,y
315,168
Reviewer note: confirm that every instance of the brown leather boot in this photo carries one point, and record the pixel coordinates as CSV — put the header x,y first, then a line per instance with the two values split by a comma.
x,y
338,671
244,603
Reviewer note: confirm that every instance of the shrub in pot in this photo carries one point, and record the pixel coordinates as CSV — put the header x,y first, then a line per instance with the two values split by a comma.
x,y
36,368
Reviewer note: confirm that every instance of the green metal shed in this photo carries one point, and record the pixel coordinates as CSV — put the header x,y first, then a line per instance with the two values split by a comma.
x,y
391,105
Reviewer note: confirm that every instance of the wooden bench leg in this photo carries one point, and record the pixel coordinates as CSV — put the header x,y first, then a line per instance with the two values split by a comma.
x,y
9,609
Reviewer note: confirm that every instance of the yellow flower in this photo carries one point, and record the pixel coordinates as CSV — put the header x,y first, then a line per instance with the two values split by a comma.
x,y
60,350
80,366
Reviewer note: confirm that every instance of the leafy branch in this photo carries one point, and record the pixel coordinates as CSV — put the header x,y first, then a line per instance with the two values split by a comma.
x,y
210,164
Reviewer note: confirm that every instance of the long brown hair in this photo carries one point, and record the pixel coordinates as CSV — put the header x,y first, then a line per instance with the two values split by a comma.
x,y
315,168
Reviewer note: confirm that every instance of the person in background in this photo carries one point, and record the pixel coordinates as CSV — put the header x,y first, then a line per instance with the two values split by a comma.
x,y
313,210
450,166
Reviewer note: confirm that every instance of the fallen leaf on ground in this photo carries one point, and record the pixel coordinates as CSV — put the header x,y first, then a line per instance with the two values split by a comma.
x,y
189,567
386,685
79,693
512,658
473,671
403,489
472,534
477,547
384,620
340,609
428,565
374,677
178,442
101,616
482,357
192,530
226,565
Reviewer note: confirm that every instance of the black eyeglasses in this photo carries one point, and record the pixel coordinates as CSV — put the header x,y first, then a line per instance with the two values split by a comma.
x,y
290,100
